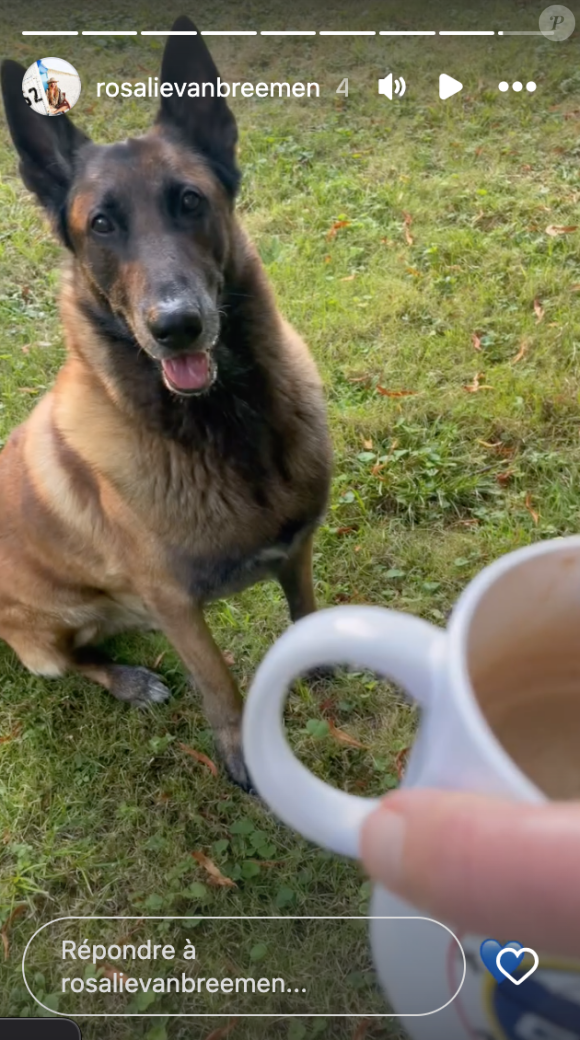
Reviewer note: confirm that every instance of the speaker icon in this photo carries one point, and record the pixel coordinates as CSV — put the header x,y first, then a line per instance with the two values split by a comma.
x,y
386,86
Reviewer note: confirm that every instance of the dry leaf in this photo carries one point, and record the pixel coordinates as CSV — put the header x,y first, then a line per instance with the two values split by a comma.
x,y
408,221
345,530
223,1031
200,757
367,444
159,659
521,353
328,259
556,229
109,971
336,227
362,1029
28,390
476,386
504,478
539,310
26,348
18,910
344,738
401,761
535,516
13,735
476,341
396,393
349,278
229,658
215,874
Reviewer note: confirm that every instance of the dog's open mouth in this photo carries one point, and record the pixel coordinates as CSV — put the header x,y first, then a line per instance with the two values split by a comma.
x,y
189,373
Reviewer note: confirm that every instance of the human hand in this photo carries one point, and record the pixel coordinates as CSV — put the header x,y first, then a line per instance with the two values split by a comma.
x,y
498,868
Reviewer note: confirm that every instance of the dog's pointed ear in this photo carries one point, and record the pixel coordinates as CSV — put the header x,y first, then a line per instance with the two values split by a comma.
x,y
204,122
47,145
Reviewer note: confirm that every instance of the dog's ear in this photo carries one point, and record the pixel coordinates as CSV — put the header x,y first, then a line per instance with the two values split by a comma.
x,y
204,123
47,145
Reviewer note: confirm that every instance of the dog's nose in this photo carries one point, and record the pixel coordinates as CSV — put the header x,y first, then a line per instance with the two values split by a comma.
x,y
176,328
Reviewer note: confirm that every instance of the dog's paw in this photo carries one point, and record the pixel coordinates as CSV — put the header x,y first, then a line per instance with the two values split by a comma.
x,y
138,687
229,743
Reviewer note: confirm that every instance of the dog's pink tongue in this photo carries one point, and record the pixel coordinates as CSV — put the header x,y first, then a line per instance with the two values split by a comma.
x,y
188,372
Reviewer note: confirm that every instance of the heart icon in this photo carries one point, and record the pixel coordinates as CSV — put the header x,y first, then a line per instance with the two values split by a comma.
x,y
517,954
489,951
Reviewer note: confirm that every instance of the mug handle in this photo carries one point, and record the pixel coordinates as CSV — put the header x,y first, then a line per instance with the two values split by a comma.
x,y
399,647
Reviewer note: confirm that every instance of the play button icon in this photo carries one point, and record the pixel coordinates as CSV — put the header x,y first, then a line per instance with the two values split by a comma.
x,y
448,86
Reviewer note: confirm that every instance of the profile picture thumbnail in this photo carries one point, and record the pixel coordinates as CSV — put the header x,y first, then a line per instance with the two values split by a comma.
x,y
51,86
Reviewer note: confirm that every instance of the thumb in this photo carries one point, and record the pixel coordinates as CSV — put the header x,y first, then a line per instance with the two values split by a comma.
x,y
498,868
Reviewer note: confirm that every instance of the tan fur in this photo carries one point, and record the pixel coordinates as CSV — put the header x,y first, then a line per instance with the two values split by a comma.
x,y
129,499
93,504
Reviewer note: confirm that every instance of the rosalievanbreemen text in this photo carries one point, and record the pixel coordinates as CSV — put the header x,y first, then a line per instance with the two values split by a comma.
x,y
152,88
120,983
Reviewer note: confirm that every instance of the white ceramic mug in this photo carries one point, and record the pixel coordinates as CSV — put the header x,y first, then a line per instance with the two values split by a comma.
x,y
511,654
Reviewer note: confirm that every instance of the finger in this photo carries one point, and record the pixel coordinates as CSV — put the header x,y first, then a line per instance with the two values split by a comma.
x,y
498,868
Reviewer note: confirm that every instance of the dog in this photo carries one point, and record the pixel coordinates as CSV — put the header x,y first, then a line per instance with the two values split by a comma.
x,y
183,453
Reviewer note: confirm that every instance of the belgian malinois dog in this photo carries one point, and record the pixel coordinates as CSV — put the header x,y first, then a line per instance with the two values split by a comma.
x,y
183,453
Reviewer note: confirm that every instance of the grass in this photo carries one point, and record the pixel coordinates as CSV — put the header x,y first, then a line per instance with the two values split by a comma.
x,y
399,238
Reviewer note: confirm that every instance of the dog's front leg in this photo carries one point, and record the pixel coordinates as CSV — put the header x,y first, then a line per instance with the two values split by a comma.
x,y
185,626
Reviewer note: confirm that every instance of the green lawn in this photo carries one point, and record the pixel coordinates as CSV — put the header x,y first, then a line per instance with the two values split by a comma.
x,y
407,242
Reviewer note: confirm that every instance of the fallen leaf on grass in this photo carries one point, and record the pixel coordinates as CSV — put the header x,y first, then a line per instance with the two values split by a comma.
x,y
215,874
476,341
557,229
535,516
408,236
26,348
349,278
521,353
539,310
336,227
367,444
396,393
345,530
229,658
18,910
223,1031
504,478
476,386
401,761
344,738
159,659
200,757
362,1030
13,735
109,971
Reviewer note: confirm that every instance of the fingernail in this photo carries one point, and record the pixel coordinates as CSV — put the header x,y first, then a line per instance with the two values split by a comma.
x,y
382,845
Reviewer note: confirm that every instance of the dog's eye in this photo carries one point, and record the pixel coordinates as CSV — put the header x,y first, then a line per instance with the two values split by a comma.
x,y
190,201
101,224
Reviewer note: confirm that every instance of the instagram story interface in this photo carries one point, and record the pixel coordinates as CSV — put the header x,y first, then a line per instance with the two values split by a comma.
x,y
289,504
